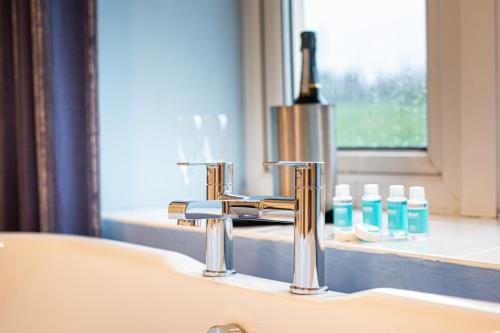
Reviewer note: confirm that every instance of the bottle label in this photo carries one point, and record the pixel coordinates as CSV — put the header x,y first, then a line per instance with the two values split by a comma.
x,y
397,215
418,221
372,213
342,215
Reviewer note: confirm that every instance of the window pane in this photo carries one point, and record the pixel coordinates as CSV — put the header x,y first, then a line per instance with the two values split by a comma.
x,y
372,59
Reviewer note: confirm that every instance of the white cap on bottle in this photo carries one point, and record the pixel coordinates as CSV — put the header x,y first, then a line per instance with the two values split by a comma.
x,y
342,190
417,193
396,191
371,189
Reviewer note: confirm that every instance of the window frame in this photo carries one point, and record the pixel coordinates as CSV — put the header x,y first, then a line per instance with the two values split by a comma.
x,y
461,105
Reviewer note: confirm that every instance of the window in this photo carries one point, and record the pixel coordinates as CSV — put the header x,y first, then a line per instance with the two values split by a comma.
x,y
372,62
449,48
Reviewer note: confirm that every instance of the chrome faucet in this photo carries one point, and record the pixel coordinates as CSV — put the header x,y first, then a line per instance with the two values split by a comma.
x,y
306,209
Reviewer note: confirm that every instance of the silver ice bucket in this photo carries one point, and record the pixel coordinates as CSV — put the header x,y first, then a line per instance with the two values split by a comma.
x,y
303,132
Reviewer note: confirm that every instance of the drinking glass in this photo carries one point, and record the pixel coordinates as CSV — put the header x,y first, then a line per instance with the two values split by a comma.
x,y
189,139
214,129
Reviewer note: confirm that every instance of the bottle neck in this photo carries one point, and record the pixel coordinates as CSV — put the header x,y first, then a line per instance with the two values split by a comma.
x,y
310,88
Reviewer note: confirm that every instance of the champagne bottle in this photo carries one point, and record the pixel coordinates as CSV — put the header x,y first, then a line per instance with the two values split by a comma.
x,y
310,88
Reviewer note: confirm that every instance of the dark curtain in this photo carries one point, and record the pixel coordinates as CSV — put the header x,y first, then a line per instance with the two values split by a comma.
x,y
48,116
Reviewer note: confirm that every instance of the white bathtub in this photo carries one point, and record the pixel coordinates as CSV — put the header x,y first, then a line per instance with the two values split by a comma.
x,y
65,284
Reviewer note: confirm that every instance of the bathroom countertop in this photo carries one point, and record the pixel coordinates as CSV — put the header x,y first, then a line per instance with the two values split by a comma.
x,y
457,240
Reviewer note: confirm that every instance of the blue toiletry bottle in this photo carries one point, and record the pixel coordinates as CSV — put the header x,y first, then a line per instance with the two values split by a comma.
x,y
371,206
342,208
418,214
397,212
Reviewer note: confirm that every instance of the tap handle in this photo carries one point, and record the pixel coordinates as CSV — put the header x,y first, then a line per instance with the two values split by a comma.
x,y
218,174
307,174
207,164
293,164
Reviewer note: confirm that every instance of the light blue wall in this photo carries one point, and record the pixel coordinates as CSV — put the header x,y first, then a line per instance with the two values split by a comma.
x,y
159,59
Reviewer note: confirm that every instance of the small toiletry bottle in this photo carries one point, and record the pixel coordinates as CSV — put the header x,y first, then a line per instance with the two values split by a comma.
x,y
342,208
371,206
397,212
418,214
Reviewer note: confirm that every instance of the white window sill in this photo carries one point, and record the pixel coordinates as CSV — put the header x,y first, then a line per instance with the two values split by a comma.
x,y
464,241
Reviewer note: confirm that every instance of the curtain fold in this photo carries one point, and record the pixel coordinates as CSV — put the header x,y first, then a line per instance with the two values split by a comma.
x,y
48,117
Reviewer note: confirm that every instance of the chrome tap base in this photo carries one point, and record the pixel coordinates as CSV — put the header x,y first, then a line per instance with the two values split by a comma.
x,y
308,291
208,273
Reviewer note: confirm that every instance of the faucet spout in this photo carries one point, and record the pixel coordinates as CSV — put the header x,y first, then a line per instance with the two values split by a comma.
x,y
255,208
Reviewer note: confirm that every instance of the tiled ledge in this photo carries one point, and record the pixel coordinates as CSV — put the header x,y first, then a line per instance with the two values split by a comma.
x,y
465,241
460,258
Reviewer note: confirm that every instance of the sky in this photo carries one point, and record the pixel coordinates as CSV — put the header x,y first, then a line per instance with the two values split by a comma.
x,y
372,37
